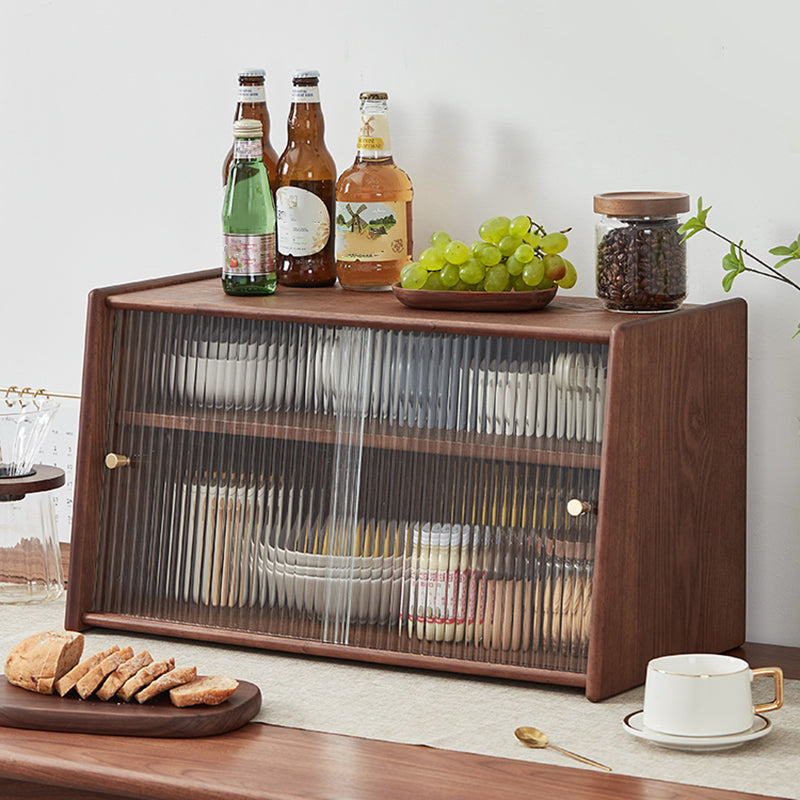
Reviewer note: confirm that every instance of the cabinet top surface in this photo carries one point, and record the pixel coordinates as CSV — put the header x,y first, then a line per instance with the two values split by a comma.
x,y
566,318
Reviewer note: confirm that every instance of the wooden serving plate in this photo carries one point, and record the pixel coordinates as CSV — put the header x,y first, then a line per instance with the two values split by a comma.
x,y
474,301
20,708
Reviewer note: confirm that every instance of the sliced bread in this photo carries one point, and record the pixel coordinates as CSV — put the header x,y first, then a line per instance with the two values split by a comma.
x,y
169,680
68,681
143,677
94,677
210,690
127,669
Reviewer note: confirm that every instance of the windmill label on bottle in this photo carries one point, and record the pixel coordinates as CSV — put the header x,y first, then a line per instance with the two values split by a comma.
x,y
373,216
370,231
373,134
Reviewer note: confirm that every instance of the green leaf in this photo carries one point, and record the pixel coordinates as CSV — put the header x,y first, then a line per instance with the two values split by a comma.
x,y
782,251
796,333
740,248
689,229
727,280
702,213
730,263
733,264
696,224
737,255
785,261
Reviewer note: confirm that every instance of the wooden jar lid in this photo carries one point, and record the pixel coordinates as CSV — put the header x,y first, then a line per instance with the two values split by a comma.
x,y
641,204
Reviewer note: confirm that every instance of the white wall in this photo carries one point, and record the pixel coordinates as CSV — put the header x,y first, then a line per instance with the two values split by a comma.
x,y
116,118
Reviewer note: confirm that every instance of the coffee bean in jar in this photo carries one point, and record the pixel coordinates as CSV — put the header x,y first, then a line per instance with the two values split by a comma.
x,y
641,260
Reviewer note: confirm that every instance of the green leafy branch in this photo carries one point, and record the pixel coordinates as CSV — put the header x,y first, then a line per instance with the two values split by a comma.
x,y
734,261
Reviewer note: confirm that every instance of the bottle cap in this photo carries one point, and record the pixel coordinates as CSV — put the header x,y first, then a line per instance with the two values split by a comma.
x,y
247,129
252,73
373,96
455,535
422,534
436,535
305,73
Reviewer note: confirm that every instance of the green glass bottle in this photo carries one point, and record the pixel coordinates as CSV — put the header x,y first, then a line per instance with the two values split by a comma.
x,y
248,217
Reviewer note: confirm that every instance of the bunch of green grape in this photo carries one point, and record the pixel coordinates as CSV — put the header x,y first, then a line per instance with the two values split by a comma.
x,y
511,255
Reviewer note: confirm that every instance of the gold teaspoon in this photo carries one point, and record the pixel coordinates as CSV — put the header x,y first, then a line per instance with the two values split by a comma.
x,y
533,737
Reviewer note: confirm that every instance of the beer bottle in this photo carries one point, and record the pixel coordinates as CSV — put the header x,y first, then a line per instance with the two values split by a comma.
x,y
304,198
248,217
373,206
253,105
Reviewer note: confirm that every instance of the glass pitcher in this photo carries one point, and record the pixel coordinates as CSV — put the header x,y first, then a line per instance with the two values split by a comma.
x,y
30,557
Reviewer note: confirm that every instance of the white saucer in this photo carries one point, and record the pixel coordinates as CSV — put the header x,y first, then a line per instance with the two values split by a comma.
x,y
633,724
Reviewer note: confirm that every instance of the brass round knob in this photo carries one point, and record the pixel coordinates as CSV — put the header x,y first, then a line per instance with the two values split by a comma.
x,y
114,460
577,507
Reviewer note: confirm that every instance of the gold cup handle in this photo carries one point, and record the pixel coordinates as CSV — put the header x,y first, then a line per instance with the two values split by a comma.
x,y
777,675
114,460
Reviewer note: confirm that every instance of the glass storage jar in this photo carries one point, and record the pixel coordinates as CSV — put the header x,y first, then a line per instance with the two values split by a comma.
x,y
640,258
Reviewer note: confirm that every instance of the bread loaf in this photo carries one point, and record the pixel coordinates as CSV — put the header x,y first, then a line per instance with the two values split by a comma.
x,y
37,662
51,661
127,669
169,680
210,690
68,681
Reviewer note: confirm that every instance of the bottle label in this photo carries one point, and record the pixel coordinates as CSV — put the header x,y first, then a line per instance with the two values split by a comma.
x,y
305,94
440,598
247,148
371,231
252,94
303,222
249,254
373,134
472,591
461,601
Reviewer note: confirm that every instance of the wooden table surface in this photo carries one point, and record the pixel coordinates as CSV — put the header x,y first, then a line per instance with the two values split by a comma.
x,y
267,761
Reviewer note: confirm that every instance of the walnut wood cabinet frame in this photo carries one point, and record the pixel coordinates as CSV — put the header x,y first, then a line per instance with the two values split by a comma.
x,y
669,565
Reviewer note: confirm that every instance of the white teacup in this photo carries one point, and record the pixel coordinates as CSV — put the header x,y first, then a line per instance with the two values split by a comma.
x,y
704,695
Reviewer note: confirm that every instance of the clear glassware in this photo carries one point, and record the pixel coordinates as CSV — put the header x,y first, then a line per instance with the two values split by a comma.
x,y
373,206
22,431
248,218
304,198
640,255
30,558
252,104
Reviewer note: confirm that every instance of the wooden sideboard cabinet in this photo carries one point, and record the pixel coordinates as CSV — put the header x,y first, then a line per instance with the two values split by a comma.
x,y
554,496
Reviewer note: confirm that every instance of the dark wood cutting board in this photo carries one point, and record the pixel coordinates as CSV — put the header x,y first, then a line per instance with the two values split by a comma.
x,y
20,708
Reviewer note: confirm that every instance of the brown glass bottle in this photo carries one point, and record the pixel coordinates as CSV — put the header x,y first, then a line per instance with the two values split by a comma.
x,y
373,207
304,197
253,105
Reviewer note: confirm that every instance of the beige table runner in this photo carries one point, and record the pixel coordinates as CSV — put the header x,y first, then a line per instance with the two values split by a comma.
x,y
476,715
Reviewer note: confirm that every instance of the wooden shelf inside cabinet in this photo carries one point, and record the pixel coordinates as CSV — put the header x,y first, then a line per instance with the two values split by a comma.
x,y
565,541
298,426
